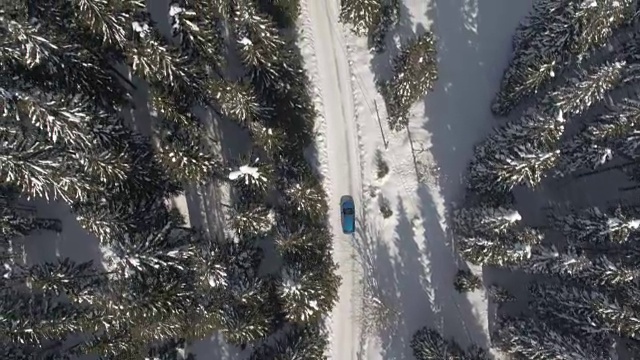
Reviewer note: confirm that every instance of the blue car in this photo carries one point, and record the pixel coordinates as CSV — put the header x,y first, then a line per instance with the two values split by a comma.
x,y
348,214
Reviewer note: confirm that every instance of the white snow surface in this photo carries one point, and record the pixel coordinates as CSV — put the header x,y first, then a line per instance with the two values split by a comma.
x,y
407,260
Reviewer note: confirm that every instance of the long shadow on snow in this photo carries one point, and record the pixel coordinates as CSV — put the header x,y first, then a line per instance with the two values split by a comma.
x,y
470,34
414,302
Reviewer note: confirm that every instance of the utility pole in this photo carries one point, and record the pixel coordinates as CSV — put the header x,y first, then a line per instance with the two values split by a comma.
x,y
384,140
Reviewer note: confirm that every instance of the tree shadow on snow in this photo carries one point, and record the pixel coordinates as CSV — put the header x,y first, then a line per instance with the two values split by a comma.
x,y
474,45
414,302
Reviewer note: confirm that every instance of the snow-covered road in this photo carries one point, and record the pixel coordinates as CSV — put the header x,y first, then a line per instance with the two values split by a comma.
x,y
343,170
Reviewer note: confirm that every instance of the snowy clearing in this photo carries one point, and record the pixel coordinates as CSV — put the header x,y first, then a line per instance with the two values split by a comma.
x,y
407,260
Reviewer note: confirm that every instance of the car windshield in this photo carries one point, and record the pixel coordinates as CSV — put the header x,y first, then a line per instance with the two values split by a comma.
x,y
348,211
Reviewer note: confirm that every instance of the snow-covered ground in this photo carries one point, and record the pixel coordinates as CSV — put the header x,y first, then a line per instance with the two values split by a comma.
x,y
409,259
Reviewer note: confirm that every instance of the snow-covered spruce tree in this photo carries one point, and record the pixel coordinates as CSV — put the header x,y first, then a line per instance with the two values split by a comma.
x,y
415,70
596,226
307,198
79,282
428,344
361,15
466,281
389,16
509,248
571,267
612,134
590,86
521,152
270,139
172,349
251,179
16,223
197,25
500,295
258,43
584,308
251,221
307,341
555,33
53,60
303,293
475,221
187,158
239,101
35,318
533,339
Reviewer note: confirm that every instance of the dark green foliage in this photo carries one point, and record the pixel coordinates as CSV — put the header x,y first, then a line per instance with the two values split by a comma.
x,y
362,15
466,281
385,208
382,168
415,71
428,344
300,342
389,17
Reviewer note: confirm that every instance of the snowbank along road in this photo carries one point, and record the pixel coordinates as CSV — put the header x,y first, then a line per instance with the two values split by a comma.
x,y
344,176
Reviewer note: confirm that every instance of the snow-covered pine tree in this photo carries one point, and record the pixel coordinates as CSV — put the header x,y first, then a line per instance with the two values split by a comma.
x,y
79,282
522,164
35,318
521,152
466,281
533,339
509,248
500,295
244,324
586,309
302,292
187,158
251,179
389,16
169,248
428,344
593,225
197,25
270,139
307,198
590,86
361,15
484,220
571,267
52,60
171,349
415,71
302,341
556,32
239,101
251,221
258,43
16,223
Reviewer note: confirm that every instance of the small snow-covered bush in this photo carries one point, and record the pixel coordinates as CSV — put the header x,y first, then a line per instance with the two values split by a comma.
x,y
385,208
415,70
466,281
382,168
